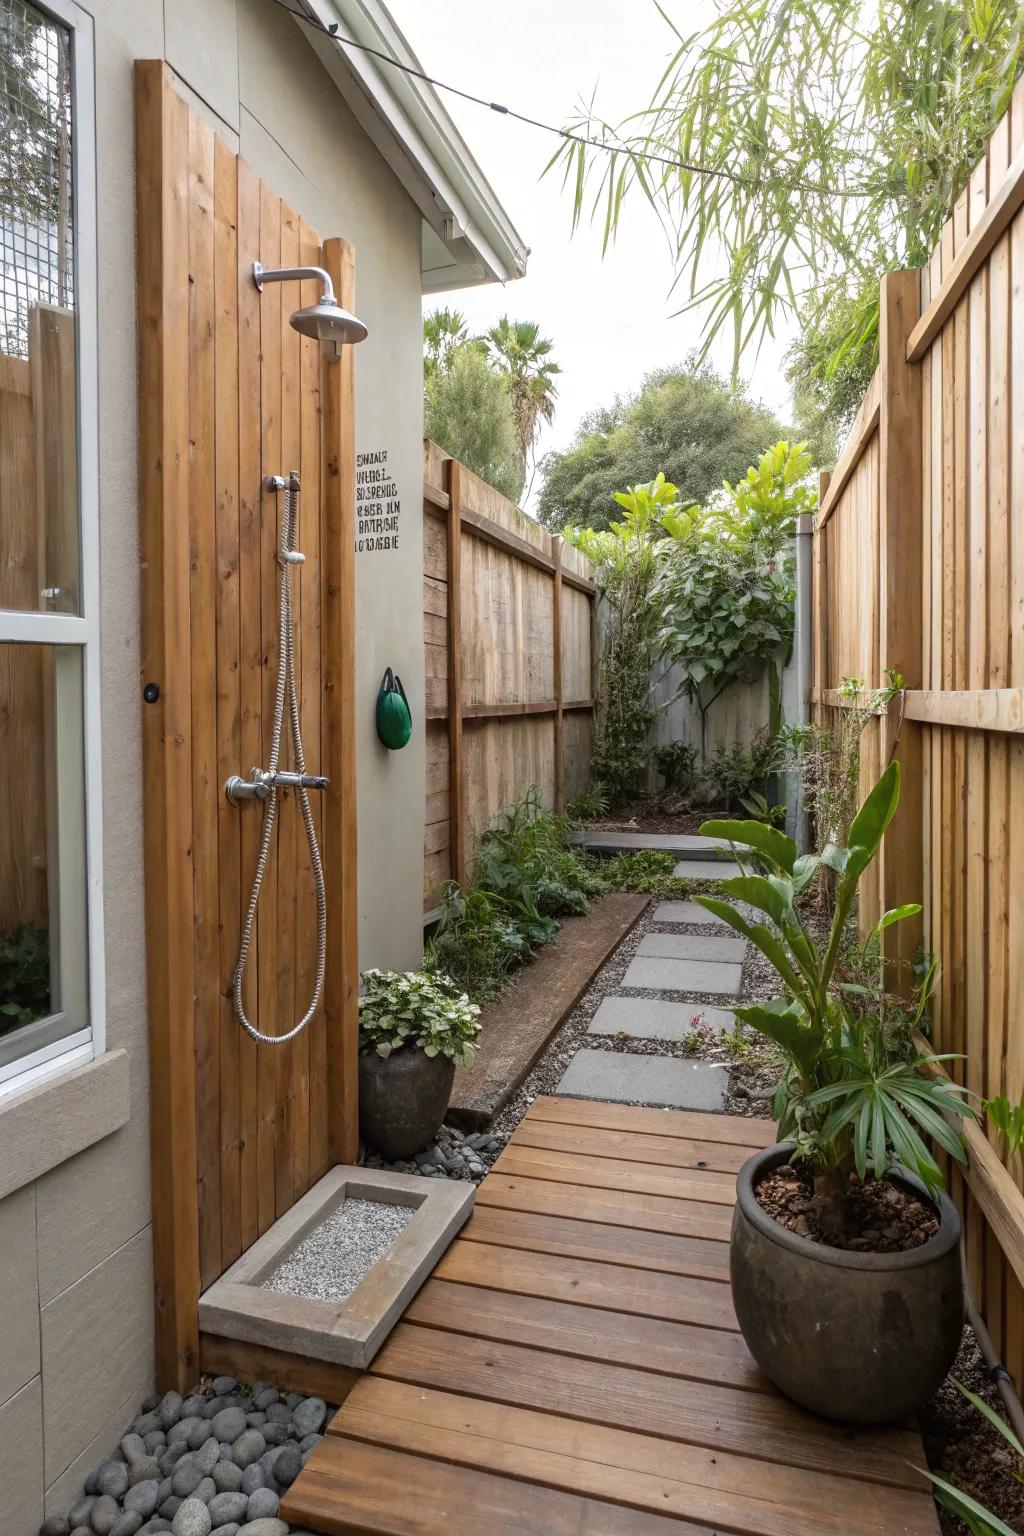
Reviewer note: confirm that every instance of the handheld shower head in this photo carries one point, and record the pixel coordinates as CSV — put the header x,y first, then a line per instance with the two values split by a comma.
x,y
323,321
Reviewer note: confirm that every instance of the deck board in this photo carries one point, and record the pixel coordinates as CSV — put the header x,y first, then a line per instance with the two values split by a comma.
x,y
573,1365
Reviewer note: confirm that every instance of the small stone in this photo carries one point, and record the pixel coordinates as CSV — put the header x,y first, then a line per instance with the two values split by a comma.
x,y
279,1413
199,1435
255,1420
170,1409
164,1491
307,1443
227,1507
253,1477
263,1399
187,1476
208,1455
128,1524
309,1415
263,1504
112,1478
192,1519
169,1508
227,1476
206,1490
157,1523
184,1428
55,1525
193,1406
82,1530
155,1442
275,1434
249,1447
287,1465
149,1403
79,1513
103,1515
228,1424
264,1526
132,1447
143,1498
147,1422
231,1529
143,1468
223,1386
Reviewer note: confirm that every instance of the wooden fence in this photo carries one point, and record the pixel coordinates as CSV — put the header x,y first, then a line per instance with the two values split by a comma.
x,y
508,617
919,565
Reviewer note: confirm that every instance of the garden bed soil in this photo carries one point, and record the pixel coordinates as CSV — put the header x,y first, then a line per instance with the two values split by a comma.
x,y
965,1449
884,1217
658,816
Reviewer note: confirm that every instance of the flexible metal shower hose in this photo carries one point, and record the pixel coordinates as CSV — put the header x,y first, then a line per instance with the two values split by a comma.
x,y
285,691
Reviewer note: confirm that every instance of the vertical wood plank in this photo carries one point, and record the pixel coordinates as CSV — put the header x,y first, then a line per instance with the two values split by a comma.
x,y
251,662
203,619
161,139
339,724
228,641
456,792
556,655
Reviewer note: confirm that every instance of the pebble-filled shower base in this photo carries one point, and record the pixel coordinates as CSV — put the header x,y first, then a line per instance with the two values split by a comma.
x,y
332,1259
213,1464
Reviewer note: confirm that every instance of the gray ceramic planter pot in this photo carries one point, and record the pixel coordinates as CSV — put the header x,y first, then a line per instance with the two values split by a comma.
x,y
861,1337
402,1100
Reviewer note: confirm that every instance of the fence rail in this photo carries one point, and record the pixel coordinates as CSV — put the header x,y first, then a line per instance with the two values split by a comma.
x,y
919,565
508,616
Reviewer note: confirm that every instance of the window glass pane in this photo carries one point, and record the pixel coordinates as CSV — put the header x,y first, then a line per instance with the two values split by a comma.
x,y
39,550
43,965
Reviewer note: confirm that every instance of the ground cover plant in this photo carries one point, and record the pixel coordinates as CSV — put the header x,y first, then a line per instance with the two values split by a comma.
x,y
417,1009
851,1099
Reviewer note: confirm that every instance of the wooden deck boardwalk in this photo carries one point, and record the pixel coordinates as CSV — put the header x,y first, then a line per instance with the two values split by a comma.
x,y
573,1366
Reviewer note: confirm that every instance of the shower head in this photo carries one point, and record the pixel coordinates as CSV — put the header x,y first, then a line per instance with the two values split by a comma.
x,y
323,321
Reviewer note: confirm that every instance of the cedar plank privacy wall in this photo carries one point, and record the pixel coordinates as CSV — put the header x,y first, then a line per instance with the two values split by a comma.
x,y
919,565
39,497
228,394
510,668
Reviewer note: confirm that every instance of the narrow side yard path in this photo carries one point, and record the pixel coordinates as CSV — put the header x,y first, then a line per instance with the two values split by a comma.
x,y
574,1364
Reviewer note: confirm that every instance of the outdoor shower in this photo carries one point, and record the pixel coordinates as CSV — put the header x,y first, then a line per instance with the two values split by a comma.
x,y
323,321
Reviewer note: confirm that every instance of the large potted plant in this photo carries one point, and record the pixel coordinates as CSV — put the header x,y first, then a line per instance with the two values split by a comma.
x,y
414,1028
845,1251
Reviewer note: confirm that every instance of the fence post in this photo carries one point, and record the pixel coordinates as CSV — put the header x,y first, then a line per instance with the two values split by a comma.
x,y
899,585
819,604
456,814
556,657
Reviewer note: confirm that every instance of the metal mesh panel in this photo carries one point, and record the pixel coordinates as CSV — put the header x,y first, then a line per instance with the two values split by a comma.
x,y
36,230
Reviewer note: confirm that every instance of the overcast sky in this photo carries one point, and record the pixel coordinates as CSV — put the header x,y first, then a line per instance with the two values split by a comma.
x,y
611,319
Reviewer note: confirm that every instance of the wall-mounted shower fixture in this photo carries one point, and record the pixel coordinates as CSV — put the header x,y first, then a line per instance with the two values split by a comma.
x,y
264,783
325,320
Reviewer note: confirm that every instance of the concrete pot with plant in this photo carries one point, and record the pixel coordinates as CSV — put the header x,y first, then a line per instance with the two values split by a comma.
x,y
844,1255
415,1027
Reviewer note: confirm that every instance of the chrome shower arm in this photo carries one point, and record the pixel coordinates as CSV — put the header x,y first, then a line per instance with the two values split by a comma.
x,y
262,274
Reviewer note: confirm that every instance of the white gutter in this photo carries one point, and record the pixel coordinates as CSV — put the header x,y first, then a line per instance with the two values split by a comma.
x,y
404,118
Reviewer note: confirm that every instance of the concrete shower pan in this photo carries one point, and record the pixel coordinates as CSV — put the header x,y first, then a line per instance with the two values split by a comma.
x,y
241,1304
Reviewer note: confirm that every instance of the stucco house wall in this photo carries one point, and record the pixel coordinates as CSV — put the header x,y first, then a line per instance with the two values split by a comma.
x,y
76,1353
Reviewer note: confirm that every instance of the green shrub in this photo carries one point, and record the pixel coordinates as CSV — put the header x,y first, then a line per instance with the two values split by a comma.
x,y
734,773
677,765
646,871
414,1008
589,805
24,976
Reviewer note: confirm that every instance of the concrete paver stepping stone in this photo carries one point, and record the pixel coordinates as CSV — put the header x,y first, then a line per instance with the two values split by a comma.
x,y
687,845
644,1018
706,869
693,946
594,1074
704,976
684,912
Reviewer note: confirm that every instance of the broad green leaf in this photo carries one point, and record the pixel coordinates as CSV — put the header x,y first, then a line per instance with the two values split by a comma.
x,y
870,822
769,841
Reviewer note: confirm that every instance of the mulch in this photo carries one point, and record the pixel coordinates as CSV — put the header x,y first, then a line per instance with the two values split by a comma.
x,y
883,1217
964,1448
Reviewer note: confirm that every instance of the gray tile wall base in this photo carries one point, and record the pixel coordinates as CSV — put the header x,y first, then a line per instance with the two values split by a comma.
x,y
347,1333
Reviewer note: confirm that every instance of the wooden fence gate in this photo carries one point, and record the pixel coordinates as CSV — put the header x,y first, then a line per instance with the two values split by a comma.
x,y
228,394
919,565
511,662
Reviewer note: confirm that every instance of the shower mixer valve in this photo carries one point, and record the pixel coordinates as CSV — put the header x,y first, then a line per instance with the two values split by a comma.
x,y
262,780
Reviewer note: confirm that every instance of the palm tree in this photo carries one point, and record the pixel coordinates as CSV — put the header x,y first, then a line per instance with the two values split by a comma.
x,y
444,332
521,355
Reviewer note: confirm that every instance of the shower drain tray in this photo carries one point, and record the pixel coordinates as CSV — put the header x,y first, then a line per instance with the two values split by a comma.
x,y
332,1277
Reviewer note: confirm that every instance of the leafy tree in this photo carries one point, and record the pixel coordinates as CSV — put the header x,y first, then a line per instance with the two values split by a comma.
x,y
685,422
467,411
522,356
801,150
727,585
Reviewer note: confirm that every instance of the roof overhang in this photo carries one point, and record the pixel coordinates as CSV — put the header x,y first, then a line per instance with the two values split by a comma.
x,y
468,237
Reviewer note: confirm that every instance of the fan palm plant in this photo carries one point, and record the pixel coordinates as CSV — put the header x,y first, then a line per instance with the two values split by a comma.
x,y
519,352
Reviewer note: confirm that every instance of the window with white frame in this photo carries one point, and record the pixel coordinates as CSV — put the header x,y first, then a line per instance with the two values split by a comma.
x,y
50,919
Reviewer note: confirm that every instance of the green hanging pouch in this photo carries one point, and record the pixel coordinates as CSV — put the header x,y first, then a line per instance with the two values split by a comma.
x,y
394,719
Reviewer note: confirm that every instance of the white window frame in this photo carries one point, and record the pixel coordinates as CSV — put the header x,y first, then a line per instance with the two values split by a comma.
x,y
79,631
